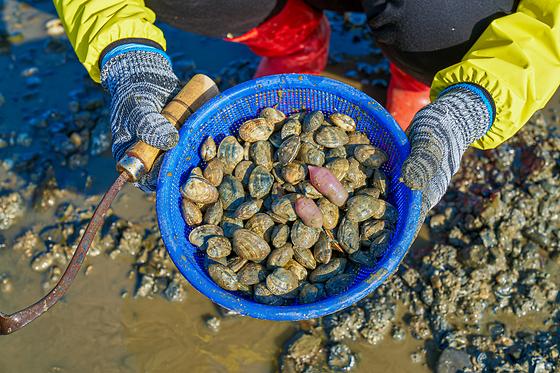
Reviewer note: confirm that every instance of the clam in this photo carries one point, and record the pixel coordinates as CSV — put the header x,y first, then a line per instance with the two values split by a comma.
x,y
308,138
247,151
261,224
279,257
230,225
223,276
231,192
379,181
372,229
268,230
230,152
243,171
214,172
372,192
248,209
288,150
277,191
308,190
277,218
297,269
284,207
249,245
291,127
343,121
329,212
273,116
311,293
357,138
334,153
331,137
304,257
313,121
362,207
348,235
391,214
339,167
299,116
199,190
355,175
260,182
279,235
236,263
251,274
289,188
197,171
293,173
257,129
200,234
260,153
303,236
218,247
208,149
322,250
246,290
265,296
292,294
276,139
214,213
209,261
339,284
363,257
191,212
370,156
311,154
380,243
348,186
277,173
324,272
281,281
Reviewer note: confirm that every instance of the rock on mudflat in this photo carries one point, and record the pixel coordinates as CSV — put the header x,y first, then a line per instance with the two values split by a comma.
x,y
452,360
11,208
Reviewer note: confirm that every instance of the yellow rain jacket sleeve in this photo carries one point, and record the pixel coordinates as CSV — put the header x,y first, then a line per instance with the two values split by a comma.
x,y
91,25
517,60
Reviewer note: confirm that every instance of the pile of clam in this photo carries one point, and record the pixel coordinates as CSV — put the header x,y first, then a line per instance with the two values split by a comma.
x,y
290,208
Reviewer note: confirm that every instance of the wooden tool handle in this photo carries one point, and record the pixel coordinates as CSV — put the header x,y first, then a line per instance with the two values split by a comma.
x,y
140,157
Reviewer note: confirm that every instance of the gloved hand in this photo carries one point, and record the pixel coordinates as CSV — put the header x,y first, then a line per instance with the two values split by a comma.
x,y
439,135
141,81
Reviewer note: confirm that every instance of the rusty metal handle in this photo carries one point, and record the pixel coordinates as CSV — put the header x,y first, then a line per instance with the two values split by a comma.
x,y
140,157
195,93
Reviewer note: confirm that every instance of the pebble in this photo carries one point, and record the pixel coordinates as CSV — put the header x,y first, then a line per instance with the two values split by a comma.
x,y
398,333
6,284
11,208
54,27
213,323
451,361
341,358
418,357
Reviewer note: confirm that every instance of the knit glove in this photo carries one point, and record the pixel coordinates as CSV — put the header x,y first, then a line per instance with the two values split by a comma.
x,y
440,134
141,81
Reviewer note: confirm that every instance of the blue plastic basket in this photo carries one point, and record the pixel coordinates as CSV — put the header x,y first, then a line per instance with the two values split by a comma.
x,y
289,93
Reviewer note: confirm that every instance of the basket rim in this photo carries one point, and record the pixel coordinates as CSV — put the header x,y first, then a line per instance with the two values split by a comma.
x,y
293,312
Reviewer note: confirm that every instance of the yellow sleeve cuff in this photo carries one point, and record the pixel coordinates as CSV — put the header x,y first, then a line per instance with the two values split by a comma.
x,y
92,25
517,60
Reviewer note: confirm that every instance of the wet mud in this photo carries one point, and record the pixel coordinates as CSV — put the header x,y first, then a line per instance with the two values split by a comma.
x,y
478,291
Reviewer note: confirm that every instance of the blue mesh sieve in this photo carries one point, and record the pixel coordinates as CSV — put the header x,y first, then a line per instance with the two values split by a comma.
x,y
289,93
